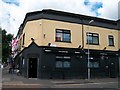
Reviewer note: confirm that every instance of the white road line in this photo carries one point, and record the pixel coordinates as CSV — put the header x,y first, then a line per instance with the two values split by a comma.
x,y
62,82
85,84
23,84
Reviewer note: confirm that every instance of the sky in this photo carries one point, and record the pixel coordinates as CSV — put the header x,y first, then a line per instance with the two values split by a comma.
x,y
12,12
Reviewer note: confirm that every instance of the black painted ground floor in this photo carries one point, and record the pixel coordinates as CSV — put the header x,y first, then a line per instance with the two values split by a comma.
x,y
53,62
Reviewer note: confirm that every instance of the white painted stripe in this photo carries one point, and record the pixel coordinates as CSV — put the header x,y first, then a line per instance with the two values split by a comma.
x,y
62,82
85,84
22,84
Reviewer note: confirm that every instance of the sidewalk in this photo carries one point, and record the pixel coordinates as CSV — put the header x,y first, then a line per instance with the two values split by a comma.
x,y
13,79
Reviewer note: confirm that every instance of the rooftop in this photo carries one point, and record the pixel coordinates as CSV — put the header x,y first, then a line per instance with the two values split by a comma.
x,y
68,17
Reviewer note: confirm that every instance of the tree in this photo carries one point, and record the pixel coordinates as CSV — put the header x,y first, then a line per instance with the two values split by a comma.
x,y
6,45
0,45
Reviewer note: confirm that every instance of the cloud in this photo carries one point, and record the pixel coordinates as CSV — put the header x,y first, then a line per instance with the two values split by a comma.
x,y
94,6
119,10
11,16
15,2
13,11
109,10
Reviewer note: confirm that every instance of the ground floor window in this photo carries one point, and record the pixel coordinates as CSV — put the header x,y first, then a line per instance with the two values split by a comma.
x,y
94,64
23,62
62,62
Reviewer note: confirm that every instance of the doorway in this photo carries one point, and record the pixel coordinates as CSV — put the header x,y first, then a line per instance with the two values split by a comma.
x,y
112,70
32,68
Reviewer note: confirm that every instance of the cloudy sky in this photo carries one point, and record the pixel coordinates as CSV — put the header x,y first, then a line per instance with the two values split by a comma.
x,y
12,12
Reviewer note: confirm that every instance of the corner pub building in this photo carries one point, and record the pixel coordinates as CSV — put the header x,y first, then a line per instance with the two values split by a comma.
x,y
56,44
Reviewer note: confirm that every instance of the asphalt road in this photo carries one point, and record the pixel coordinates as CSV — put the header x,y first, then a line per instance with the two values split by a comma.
x,y
87,85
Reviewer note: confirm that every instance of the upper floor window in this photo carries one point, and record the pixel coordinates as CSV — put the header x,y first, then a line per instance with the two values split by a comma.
x,y
111,40
92,38
63,35
23,39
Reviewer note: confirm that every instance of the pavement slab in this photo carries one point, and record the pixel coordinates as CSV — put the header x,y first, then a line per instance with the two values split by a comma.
x,y
14,81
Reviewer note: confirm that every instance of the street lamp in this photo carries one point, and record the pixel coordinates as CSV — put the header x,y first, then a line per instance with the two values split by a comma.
x,y
89,52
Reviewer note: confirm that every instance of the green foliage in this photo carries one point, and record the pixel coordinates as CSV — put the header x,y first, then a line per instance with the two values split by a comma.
x,y
6,45
0,45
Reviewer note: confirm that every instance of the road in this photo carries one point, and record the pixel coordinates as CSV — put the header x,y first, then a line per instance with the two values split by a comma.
x,y
110,85
89,85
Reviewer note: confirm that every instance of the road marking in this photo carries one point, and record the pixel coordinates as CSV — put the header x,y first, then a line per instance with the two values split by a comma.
x,y
22,84
57,82
5,79
84,84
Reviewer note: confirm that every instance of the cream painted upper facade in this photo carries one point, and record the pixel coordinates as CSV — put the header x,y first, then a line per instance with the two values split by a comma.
x,y
103,38
119,39
44,31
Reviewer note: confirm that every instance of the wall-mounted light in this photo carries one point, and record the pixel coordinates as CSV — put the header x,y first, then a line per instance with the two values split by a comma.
x,y
44,35
32,39
79,46
23,46
44,66
49,44
81,56
40,23
104,48
82,48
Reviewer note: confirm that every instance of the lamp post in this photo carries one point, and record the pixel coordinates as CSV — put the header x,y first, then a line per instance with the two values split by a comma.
x,y
89,52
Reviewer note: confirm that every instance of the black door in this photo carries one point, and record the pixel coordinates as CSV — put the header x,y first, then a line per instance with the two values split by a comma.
x,y
32,70
112,70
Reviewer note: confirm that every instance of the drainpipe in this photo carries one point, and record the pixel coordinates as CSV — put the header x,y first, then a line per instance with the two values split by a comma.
x,y
119,62
82,34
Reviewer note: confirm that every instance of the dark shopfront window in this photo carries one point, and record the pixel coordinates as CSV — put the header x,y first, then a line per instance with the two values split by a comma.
x,y
63,35
62,62
94,62
92,38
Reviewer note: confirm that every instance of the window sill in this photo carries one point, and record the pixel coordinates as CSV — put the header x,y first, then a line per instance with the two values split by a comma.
x,y
62,68
92,44
111,45
64,41
94,67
